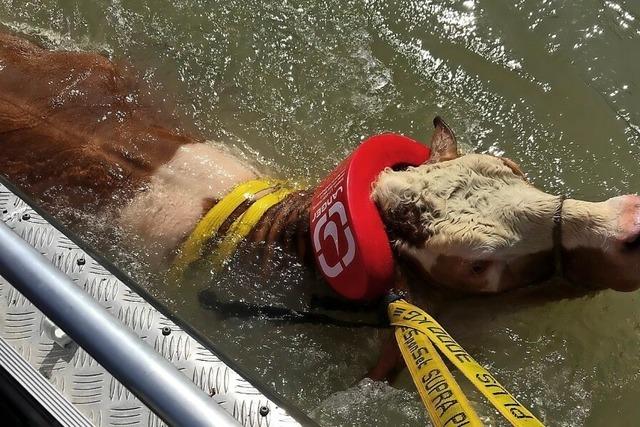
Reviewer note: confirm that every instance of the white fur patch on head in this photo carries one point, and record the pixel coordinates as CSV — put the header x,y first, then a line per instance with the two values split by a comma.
x,y
474,206
474,224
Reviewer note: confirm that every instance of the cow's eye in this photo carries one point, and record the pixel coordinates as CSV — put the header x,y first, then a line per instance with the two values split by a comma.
x,y
479,267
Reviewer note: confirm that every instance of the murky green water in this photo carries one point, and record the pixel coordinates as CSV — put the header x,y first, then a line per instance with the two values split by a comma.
x,y
552,84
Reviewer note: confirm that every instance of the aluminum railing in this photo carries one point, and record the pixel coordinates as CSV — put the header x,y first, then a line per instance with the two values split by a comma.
x,y
153,379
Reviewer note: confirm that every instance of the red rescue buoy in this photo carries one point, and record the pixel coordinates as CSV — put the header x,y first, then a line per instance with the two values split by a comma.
x,y
350,243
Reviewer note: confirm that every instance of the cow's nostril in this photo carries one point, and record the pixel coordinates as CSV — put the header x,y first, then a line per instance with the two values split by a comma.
x,y
633,244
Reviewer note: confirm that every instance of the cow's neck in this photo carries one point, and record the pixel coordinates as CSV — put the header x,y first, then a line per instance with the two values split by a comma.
x,y
181,192
286,225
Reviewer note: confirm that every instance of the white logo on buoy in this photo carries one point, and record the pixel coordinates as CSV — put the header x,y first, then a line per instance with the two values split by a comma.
x,y
331,229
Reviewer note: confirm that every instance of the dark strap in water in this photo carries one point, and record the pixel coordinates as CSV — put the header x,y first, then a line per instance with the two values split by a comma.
x,y
244,310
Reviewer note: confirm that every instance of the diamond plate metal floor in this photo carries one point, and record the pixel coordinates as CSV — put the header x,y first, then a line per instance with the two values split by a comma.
x,y
86,384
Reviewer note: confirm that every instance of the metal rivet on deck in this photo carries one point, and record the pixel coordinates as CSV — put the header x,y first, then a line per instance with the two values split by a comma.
x,y
4,211
26,217
264,411
166,331
81,261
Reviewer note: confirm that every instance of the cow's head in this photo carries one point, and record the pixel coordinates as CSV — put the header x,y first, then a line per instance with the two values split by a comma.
x,y
475,224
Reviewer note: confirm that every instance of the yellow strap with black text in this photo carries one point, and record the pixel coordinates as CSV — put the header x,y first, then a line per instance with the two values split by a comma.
x,y
404,315
242,226
439,391
191,249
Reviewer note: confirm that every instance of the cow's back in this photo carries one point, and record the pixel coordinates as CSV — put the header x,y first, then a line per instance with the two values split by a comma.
x,y
77,129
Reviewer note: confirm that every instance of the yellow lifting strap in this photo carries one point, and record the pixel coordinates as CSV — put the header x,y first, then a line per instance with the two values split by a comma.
x,y
242,226
191,249
439,391
418,335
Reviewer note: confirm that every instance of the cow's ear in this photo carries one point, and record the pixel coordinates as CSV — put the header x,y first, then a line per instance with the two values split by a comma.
x,y
443,142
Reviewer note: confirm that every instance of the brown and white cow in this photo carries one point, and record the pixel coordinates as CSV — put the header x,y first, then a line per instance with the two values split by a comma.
x,y
77,130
